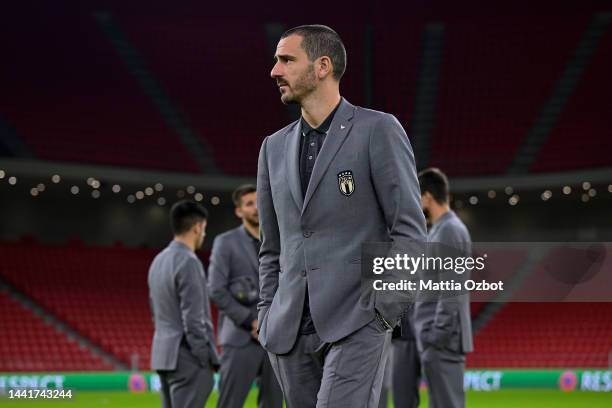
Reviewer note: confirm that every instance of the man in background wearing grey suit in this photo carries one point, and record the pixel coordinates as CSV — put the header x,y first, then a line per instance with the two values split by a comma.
x,y
337,178
183,351
234,287
443,329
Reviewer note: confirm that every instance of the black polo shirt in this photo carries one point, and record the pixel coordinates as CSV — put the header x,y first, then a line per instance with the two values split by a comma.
x,y
310,147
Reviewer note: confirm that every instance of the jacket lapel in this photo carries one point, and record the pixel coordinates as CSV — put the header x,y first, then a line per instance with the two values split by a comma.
x,y
292,163
336,135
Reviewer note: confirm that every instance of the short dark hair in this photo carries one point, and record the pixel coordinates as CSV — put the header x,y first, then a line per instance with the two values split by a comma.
x,y
319,40
435,182
241,191
185,214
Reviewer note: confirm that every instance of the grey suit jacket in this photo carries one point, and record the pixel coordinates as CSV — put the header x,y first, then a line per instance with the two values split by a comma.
x,y
233,264
446,323
363,188
181,313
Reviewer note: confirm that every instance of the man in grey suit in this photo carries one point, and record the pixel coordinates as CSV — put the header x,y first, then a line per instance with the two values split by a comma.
x,y
443,329
234,287
337,178
183,351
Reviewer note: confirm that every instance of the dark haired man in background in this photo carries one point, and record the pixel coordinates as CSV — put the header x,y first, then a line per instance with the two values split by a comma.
x,y
183,351
442,329
234,287
327,183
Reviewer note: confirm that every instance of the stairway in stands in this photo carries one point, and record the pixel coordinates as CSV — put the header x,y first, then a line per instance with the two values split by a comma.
x,y
427,91
171,114
33,340
100,293
554,107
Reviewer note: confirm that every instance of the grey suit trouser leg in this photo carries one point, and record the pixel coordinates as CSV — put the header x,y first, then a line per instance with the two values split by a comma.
x,y
189,385
386,387
406,373
443,370
240,366
345,374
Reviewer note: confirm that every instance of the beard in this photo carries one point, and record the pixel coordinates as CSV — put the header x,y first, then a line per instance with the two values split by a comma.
x,y
253,221
304,85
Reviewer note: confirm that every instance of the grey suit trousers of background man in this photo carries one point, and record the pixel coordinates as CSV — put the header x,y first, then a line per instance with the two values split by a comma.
x,y
363,188
183,351
406,367
443,329
234,287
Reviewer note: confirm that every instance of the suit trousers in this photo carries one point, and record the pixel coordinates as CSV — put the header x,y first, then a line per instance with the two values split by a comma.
x,y
189,385
240,366
386,387
344,374
443,370
406,376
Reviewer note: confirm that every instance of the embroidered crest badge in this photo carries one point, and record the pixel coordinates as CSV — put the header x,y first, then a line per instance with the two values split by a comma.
x,y
346,183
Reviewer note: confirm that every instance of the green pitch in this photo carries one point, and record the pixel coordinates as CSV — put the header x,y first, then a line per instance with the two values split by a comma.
x,y
499,399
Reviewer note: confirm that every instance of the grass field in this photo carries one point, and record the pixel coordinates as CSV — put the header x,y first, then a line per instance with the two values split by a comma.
x,y
499,399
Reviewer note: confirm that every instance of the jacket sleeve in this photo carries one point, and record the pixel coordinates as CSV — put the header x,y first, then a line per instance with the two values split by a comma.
x,y
218,285
393,173
190,291
269,253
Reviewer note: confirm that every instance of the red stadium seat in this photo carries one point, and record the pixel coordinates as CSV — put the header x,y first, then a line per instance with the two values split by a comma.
x,y
27,343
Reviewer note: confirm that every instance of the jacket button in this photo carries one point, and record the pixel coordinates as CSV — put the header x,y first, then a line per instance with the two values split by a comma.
x,y
307,234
